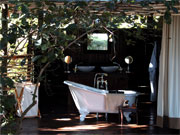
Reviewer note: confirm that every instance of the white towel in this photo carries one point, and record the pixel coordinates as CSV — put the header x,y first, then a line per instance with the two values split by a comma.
x,y
113,101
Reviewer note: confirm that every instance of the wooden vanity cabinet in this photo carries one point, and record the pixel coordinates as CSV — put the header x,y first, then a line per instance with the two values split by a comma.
x,y
116,80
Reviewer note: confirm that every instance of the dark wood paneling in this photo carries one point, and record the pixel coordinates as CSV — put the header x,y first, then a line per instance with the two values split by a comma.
x,y
139,49
116,80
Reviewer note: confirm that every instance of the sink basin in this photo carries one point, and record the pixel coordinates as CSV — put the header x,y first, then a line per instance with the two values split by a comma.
x,y
109,68
85,68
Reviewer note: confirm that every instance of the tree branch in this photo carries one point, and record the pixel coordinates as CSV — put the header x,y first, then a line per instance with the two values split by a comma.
x,y
79,38
33,99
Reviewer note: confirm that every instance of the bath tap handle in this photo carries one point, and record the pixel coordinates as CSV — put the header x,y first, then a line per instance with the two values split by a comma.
x,y
96,78
105,74
75,68
106,83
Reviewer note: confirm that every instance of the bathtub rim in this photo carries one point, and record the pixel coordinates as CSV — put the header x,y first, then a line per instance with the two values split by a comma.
x,y
85,87
102,91
134,93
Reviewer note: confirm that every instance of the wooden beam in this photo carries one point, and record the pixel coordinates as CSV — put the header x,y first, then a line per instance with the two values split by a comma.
x,y
128,8
17,56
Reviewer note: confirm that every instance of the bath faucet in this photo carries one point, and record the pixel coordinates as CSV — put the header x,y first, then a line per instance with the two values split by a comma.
x,y
100,78
120,68
101,83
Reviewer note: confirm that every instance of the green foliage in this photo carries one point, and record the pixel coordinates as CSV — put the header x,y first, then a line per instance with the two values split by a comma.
x,y
3,42
23,62
6,81
36,58
7,108
170,6
7,104
167,17
53,27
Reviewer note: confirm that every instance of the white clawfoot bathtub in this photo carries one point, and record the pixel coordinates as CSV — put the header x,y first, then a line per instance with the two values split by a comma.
x,y
92,100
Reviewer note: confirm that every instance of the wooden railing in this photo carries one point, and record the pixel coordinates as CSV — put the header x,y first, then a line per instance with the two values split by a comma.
x,y
19,67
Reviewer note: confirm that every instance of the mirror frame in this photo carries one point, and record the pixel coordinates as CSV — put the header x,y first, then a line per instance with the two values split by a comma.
x,y
127,57
109,44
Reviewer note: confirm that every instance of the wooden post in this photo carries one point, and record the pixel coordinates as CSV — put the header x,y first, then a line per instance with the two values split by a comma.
x,y
4,42
29,58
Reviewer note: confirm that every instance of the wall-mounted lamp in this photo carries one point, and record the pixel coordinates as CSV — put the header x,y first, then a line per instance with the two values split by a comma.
x,y
67,60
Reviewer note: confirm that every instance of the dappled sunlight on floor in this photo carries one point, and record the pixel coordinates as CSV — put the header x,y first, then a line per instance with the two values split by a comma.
x,y
95,126
80,127
90,116
63,119
94,116
133,126
70,124
76,117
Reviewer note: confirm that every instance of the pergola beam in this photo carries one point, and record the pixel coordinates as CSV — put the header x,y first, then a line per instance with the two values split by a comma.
x,y
129,9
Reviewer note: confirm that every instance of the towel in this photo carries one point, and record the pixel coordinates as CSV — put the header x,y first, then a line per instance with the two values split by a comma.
x,y
113,101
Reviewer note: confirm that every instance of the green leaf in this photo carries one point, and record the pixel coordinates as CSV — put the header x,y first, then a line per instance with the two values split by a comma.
x,y
36,58
44,59
51,56
44,47
167,17
24,22
8,102
3,43
175,10
24,9
143,4
7,82
12,38
81,4
71,27
13,46
110,5
1,46
23,62
38,3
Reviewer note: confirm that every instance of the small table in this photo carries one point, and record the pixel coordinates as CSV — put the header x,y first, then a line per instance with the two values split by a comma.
x,y
122,109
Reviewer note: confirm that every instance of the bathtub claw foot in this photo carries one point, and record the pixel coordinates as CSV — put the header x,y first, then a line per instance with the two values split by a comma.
x,y
82,118
83,115
97,116
106,116
126,114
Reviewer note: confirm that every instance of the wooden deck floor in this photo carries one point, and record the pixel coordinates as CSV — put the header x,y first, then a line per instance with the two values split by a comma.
x,y
56,121
62,124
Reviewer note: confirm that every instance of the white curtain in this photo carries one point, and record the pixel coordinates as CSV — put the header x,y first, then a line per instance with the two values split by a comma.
x,y
168,109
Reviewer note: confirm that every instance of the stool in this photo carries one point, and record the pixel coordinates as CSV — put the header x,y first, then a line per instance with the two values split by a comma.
x,y
122,109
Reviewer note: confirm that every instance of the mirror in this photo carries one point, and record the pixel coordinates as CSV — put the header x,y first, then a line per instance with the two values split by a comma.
x,y
128,60
97,42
